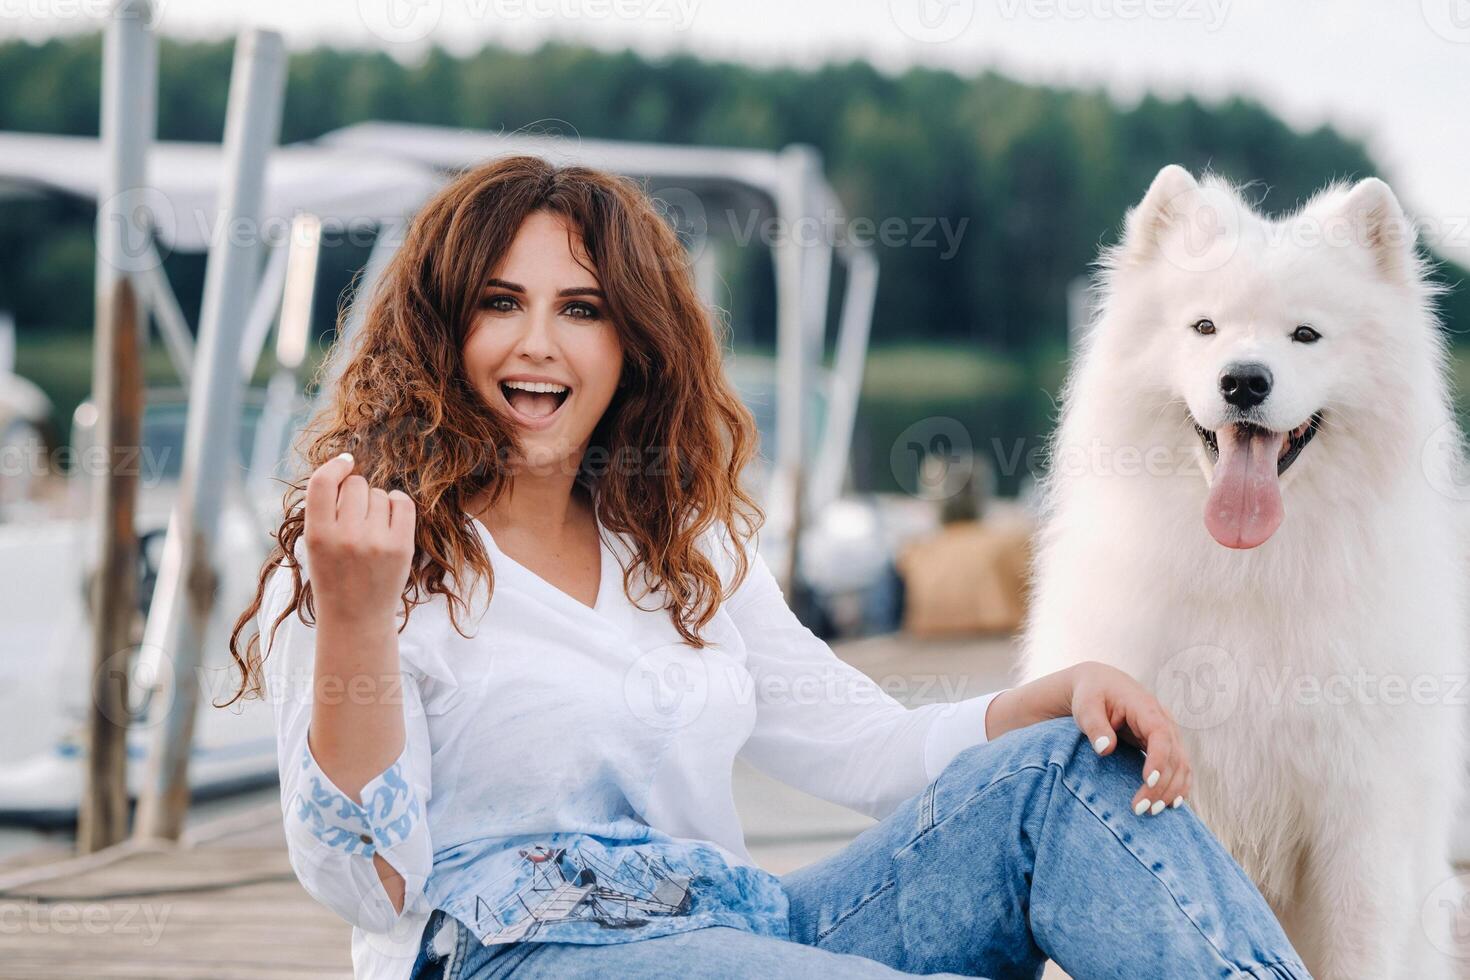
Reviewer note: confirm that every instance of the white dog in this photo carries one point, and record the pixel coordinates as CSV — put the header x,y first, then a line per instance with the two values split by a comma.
x,y
1252,508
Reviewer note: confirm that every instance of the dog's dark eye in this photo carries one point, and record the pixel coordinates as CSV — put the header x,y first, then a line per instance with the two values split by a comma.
x,y
1304,334
1204,326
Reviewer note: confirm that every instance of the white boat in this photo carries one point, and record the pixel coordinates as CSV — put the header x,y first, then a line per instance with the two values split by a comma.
x,y
46,650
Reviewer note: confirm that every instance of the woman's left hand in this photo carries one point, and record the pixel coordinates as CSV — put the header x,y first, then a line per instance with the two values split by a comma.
x,y
1108,704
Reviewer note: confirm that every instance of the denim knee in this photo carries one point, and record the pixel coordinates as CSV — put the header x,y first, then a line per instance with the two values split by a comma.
x,y
1056,742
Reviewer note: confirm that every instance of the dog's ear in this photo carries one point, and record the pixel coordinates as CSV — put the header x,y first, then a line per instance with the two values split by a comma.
x,y
1170,199
1378,225
1193,226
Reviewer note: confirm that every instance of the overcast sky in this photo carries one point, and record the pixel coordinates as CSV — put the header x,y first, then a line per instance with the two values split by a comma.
x,y
1395,73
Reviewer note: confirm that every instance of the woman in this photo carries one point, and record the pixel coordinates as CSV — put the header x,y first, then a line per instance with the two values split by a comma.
x,y
516,633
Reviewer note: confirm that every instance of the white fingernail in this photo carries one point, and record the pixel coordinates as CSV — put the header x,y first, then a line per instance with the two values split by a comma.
x,y
346,456
1153,778
1102,743
1157,808
1178,802
1140,806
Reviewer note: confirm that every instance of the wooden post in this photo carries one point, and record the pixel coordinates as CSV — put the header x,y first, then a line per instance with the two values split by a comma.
x,y
117,391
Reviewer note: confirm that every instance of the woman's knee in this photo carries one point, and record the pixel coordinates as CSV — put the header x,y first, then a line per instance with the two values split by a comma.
x,y
1056,742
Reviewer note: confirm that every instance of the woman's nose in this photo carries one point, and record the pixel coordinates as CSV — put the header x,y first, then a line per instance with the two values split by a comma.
x,y
536,341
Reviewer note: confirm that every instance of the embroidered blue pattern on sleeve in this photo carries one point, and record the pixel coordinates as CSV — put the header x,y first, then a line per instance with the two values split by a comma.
x,y
387,815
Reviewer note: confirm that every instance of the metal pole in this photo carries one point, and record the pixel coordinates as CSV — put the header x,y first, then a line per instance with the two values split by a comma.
x,y
283,393
123,228
788,478
847,378
181,611
173,328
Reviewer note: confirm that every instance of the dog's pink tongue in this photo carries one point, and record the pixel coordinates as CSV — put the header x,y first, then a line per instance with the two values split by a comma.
x,y
1244,508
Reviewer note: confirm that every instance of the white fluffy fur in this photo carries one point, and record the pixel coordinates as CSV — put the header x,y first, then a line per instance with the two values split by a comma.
x,y
1339,805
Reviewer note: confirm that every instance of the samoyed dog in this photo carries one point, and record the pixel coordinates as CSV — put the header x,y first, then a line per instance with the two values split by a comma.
x,y
1254,506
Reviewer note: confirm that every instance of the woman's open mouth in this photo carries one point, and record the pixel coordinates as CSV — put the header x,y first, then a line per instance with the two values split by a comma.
x,y
1244,504
534,403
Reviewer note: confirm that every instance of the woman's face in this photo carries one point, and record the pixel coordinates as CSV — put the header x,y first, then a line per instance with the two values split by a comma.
x,y
541,349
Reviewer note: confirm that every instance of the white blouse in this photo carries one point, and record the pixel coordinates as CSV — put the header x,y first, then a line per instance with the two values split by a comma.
x,y
560,738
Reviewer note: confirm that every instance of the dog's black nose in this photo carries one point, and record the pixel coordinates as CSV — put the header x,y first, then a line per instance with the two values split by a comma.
x,y
1245,385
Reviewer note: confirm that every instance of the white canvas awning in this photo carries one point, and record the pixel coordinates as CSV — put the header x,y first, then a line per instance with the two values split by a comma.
x,y
339,185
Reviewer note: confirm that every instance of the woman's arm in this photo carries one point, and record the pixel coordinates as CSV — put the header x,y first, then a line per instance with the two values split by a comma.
x,y
352,734
359,540
1107,703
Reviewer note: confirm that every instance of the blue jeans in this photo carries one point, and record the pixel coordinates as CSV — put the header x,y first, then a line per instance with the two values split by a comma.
x,y
1024,849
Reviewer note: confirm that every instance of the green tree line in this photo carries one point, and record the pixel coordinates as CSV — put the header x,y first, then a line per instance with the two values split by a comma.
x,y
1040,176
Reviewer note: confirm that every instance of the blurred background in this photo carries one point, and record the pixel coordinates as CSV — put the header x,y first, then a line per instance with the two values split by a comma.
x,y
892,204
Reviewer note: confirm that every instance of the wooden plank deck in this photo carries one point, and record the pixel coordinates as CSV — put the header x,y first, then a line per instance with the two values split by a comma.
x,y
223,904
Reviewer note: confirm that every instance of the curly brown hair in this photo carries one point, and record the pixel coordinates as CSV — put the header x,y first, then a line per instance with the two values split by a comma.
x,y
403,406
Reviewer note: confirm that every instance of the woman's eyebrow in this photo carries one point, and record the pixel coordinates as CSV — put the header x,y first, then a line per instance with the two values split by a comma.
x,y
515,287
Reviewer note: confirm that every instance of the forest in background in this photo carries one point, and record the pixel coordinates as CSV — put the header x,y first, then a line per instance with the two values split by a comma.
x,y
1035,178
1043,175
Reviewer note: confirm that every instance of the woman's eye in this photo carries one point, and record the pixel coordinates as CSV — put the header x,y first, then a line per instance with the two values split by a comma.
x,y
1304,334
1204,326
500,304
582,311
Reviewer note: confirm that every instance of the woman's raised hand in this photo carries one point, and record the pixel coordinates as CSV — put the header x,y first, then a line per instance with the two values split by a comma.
x,y
359,541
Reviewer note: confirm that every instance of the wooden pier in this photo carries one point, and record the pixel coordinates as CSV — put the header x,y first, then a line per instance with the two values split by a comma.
x,y
223,903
